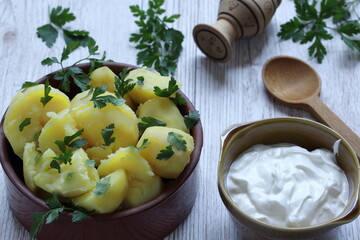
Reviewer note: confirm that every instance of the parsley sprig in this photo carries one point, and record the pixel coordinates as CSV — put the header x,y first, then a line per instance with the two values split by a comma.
x,y
79,214
74,39
159,45
24,123
191,119
74,73
102,186
167,92
44,100
144,145
312,25
149,122
176,140
107,133
100,100
67,153
122,86
58,18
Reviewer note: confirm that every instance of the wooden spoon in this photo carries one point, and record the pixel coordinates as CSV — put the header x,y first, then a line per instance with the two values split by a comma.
x,y
296,83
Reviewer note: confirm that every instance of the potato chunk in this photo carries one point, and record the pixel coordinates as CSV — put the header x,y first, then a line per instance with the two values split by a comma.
x,y
157,138
110,200
142,191
103,76
59,126
29,162
74,179
129,159
94,120
98,153
165,110
35,162
142,93
26,104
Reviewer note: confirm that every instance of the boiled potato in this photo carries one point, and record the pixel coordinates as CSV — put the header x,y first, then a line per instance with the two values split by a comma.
x,y
142,191
98,153
43,162
157,138
129,159
111,199
165,110
59,126
142,93
93,120
74,179
29,156
103,76
35,162
26,104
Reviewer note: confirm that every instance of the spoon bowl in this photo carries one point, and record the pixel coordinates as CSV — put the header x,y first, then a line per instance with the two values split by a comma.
x,y
296,83
291,80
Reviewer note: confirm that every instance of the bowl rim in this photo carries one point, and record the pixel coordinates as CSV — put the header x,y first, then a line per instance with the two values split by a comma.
x,y
228,202
165,194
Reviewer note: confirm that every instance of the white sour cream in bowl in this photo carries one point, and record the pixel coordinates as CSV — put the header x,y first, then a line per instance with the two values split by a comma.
x,y
288,186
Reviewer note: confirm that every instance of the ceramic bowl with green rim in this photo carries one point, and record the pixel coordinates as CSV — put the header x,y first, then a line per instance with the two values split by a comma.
x,y
304,133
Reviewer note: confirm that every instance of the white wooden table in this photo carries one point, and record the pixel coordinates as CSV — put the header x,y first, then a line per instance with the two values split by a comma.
x,y
224,94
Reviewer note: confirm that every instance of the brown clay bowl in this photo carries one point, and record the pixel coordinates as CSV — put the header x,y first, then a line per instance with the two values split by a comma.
x,y
152,220
305,133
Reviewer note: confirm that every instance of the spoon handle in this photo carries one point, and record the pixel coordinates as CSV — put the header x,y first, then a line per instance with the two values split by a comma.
x,y
323,113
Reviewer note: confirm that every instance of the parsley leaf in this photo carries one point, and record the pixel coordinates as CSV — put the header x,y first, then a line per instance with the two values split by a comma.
x,y
68,49
38,220
167,92
122,86
55,164
24,123
149,122
76,36
159,46
144,145
100,101
175,139
36,136
165,154
69,176
312,23
102,186
71,142
64,157
44,100
60,16
37,157
53,201
81,215
107,133
191,119
140,81
53,214
178,100
47,34
90,163
29,84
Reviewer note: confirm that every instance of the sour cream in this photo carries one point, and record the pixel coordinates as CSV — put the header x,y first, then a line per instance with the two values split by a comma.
x,y
288,186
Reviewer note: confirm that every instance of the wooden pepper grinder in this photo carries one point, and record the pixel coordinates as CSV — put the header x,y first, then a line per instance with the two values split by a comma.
x,y
236,19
